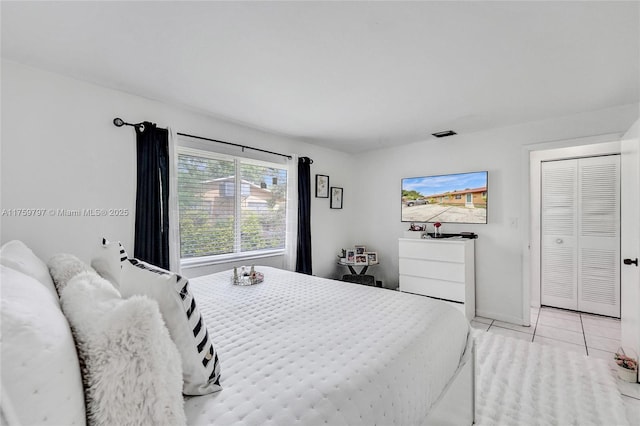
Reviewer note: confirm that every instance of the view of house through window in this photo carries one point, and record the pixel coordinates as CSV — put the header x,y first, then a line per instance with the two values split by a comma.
x,y
230,205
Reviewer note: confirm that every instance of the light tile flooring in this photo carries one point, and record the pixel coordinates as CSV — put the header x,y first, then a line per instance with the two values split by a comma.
x,y
591,335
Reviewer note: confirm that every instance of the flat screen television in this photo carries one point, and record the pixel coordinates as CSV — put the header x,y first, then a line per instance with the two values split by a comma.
x,y
452,198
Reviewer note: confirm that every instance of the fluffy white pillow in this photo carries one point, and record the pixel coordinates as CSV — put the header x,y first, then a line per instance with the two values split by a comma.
x,y
131,367
108,260
200,365
16,255
63,267
41,381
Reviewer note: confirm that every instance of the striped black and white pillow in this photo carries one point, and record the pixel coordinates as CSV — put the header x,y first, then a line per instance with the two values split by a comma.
x,y
200,364
108,261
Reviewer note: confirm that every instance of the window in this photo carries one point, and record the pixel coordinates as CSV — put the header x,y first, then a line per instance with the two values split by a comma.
x,y
229,206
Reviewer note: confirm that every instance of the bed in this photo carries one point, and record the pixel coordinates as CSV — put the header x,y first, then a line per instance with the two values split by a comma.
x,y
294,349
298,349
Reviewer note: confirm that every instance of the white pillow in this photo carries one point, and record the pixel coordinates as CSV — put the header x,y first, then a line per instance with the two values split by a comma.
x,y
40,369
16,255
131,367
63,267
108,260
200,365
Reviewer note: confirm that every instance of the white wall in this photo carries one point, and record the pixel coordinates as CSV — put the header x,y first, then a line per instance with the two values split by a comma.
x,y
499,253
60,150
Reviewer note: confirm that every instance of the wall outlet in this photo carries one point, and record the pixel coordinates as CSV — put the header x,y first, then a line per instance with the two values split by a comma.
x,y
513,222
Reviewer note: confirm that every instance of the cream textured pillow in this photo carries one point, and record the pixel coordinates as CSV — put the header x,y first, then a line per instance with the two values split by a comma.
x,y
16,255
108,260
41,383
131,367
63,267
200,365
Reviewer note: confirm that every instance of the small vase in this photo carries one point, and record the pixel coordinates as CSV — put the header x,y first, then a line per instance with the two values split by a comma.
x,y
627,375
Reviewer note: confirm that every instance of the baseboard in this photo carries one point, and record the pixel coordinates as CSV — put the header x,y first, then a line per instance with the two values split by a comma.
x,y
502,317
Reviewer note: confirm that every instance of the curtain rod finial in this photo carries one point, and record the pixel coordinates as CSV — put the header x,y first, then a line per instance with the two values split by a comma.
x,y
118,122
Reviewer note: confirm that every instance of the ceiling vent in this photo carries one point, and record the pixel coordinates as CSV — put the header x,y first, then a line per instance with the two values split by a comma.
x,y
444,134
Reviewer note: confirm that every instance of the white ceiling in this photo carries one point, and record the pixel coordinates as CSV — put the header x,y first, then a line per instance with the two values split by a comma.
x,y
345,75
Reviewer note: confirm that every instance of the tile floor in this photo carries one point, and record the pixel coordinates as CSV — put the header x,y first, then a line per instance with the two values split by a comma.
x,y
588,334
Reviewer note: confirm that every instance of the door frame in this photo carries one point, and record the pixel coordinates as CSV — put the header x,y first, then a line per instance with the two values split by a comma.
x,y
531,157
630,240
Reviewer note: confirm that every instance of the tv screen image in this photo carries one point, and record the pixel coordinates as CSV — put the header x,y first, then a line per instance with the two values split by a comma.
x,y
452,198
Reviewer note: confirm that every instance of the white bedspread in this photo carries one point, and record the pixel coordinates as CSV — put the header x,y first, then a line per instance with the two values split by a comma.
x,y
302,350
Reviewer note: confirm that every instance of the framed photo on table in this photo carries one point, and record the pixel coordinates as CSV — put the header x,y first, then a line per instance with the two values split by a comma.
x,y
372,257
360,249
322,186
336,197
351,255
361,259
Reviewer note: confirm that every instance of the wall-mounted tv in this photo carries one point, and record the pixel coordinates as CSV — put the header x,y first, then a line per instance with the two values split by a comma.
x,y
452,198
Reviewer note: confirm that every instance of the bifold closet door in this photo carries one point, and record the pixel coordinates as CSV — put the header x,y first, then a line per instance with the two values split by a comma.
x,y
599,235
580,225
558,260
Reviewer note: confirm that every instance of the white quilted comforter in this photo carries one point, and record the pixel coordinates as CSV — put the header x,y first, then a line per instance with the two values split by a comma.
x,y
303,350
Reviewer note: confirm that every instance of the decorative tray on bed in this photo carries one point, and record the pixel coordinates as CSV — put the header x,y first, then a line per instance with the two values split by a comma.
x,y
247,278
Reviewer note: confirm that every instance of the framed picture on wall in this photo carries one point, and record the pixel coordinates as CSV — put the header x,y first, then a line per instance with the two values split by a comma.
x,y
336,197
322,186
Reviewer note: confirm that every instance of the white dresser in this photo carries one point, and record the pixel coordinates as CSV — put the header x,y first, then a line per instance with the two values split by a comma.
x,y
440,268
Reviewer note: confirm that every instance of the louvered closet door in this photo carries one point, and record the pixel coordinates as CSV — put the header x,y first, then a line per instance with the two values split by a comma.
x,y
558,259
599,235
580,225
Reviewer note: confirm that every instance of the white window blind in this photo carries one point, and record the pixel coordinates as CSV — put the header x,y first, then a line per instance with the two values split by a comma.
x,y
230,205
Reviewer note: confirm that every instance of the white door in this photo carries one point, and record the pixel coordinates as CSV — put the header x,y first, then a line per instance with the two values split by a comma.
x,y
580,241
469,200
630,241
599,235
558,261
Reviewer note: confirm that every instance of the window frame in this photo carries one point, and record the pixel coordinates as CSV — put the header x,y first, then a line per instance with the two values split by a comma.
x,y
237,255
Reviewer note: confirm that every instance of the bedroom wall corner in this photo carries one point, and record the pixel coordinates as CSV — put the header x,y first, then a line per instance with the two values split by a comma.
x,y
331,229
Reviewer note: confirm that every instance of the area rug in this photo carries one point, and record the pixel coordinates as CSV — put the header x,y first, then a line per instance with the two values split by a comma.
x,y
523,383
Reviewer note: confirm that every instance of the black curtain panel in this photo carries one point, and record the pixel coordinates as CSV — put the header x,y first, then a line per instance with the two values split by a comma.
x,y
151,242
303,256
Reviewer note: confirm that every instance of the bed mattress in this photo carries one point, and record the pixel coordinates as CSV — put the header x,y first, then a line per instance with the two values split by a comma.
x,y
303,350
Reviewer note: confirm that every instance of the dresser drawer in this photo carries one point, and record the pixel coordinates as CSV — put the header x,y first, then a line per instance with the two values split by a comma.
x,y
434,288
433,250
447,271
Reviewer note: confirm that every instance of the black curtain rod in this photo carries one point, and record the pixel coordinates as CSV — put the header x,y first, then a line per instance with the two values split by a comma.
x,y
118,122
234,144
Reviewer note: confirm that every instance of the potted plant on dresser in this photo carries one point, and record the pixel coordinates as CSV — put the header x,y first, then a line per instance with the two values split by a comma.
x,y
627,366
